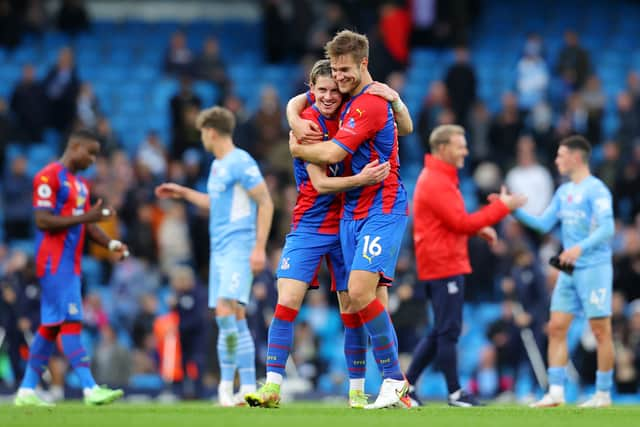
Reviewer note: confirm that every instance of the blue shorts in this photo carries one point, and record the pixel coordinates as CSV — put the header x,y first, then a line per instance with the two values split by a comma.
x,y
230,276
302,256
61,298
587,291
373,243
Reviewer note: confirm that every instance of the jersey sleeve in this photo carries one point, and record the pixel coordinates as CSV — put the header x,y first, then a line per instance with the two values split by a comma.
x,y
45,190
248,173
545,222
602,213
361,123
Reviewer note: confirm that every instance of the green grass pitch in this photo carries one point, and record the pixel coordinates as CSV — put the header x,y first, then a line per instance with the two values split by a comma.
x,y
313,415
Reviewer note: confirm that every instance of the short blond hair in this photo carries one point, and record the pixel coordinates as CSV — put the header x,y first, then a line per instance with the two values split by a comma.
x,y
442,135
219,118
348,43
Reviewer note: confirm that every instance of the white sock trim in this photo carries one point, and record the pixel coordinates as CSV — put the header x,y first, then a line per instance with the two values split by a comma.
x,y
356,384
274,377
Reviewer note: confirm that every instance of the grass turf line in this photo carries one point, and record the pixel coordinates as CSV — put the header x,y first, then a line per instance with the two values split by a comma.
x,y
313,415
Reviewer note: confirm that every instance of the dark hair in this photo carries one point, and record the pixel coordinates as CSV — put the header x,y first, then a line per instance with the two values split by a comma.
x,y
219,118
82,136
320,68
578,142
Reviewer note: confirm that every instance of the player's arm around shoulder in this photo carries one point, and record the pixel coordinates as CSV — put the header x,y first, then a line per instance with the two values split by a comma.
x,y
400,110
371,174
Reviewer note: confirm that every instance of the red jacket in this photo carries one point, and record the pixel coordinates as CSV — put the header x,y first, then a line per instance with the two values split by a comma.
x,y
441,226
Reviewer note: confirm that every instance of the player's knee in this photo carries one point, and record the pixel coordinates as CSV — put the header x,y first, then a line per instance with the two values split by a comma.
x,y
359,297
291,301
602,333
557,330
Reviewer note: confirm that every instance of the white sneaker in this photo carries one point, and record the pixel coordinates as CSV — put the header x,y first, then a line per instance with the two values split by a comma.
x,y
225,396
598,400
393,394
548,401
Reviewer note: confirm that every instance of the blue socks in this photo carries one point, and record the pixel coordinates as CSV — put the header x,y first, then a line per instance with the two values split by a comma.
x,y
378,325
557,375
246,355
604,381
280,338
39,354
76,354
227,346
355,345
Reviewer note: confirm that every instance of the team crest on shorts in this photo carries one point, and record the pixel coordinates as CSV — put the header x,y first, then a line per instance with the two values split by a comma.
x,y
73,309
285,264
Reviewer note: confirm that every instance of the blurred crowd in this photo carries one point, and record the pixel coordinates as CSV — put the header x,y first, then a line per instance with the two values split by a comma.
x,y
146,318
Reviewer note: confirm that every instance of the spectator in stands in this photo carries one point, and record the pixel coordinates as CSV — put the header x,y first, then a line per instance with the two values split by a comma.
x,y
504,338
435,102
5,129
142,236
126,296
143,323
479,124
30,111
179,61
629,129
152,154
10,32
109,141
461,85
191,305
626,373
87,106
268,124
72,17
573,61
19,307
530,178
210,66
594,100
276,31
394,26
242,133
174,246
35,17
182,131
95,317
609,169
16,189
505,129
532,74
111,362
61,87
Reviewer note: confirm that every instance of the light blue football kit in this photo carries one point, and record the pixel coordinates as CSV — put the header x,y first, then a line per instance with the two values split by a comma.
x,y
232,225
585,213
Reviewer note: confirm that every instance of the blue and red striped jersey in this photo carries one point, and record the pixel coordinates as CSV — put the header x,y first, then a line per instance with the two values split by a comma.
x,y
368,132
319,213
56,189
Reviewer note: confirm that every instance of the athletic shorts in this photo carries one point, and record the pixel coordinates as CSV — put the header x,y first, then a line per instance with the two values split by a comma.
x,y
373,244
587,290
230,276
61,298
302,256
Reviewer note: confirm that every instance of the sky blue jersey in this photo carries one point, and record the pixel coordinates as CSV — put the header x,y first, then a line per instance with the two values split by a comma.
x,y
232,215
585,212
